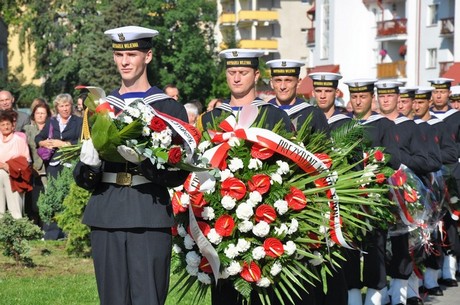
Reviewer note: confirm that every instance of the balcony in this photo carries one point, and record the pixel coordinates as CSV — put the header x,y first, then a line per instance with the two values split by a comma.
x,y
444,67
395,69
269,44
227,18
311,37
392,27
262,16
447,26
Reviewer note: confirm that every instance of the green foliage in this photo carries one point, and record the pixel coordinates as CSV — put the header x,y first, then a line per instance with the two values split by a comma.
x,y
14,235
50,201
69,220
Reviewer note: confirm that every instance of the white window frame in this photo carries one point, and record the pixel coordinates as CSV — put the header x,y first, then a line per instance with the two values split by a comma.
x,y
431,58
432,14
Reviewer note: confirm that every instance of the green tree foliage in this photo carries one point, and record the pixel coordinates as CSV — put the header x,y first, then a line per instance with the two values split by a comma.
x,y
78,242
14,237
71,48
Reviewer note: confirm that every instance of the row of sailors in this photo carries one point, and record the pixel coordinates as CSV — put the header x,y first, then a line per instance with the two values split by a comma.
x,y
415,132
417,128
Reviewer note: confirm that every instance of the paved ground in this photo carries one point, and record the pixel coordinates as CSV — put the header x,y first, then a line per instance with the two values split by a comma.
x,y
451,297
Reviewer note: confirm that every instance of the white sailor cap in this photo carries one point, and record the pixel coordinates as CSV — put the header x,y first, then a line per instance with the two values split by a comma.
x,y
455,93
325,79
241,57
131,38
441,82
285,67
387,87
423,93
407,92
361,85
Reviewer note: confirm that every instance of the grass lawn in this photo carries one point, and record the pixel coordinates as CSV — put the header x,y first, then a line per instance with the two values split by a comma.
x,y
58,279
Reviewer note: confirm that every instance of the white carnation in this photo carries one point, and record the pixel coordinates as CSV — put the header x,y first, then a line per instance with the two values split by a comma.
x,y
228,202
204,278
276,268
290,248
192,270
283,167
231,251
244,211
263,282
235,164
281,206
184,199
181,231
146,131
208,213
255,198
176,249
188,242
224,274
226,173
214,237
193,259
281,230
233,141
258,253
275,177
318,260
294,226
203,146
245,226
234,268
243,245
261,229
255,164
127,119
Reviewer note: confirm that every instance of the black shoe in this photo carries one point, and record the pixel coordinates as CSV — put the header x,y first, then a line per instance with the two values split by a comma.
x,y
414,301
448,282
432,291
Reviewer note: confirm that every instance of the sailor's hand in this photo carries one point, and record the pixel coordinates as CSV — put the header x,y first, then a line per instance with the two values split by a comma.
x,y
89,154
130,154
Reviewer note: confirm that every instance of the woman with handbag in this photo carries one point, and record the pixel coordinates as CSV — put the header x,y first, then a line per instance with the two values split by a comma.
x,y
40,113
14,167
62,130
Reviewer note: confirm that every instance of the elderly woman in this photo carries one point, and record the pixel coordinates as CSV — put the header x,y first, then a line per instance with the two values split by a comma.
x,y
14,167
40,113
66,130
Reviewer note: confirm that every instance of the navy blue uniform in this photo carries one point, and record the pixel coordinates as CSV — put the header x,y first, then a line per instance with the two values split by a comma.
x,y
131,225
300,111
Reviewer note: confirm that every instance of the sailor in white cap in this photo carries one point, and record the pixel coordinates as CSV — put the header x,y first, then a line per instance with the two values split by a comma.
x,y
454,97
242,73
442,110
415,155
284,80
380,133
325,92
130,218
406,101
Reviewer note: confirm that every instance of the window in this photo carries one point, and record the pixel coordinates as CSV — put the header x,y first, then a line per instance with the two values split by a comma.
x,y
432,58
432,14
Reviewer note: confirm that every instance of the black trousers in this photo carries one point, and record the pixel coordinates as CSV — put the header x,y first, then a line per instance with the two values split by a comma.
x,y
132,265
374,268
401,265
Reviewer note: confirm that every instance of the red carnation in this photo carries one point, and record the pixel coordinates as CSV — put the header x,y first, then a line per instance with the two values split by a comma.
x,y
204,228
224,225
157,124
296,199
265,212
177,204
259,183
251,273
410,196
174,155
380,178
378,155
260,152
205,266
273,247
233,187
325,159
